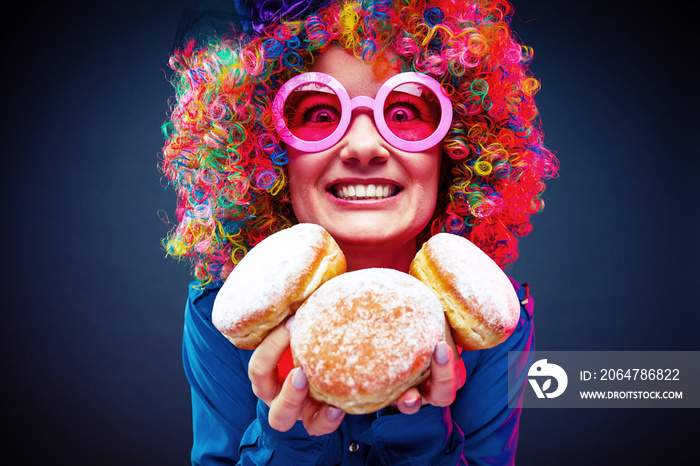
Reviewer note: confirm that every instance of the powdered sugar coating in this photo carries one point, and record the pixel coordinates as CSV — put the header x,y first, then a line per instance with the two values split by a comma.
x,y
363,334
266,276
474,277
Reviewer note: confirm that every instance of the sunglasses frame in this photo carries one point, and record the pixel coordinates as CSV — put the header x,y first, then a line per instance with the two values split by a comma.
x,y
348,105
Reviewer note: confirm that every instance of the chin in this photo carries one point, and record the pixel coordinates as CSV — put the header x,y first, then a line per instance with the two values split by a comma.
x,y
374,236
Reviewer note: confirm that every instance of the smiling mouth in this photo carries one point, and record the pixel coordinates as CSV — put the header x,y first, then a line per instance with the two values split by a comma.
x,y
364,191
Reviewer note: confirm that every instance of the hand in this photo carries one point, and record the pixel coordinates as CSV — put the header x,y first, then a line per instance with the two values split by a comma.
x,y
447,375
288,399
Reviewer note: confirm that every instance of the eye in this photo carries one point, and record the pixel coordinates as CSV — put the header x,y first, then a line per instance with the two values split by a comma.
x,y
401,108
401,113
321,114
411,113
312,108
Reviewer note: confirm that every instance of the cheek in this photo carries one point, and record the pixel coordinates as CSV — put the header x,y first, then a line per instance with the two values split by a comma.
x,y
430,180
303,166
429,171
298,199
301,182
296,172
296,182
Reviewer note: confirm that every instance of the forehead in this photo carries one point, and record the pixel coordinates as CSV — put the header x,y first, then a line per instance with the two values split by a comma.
x,y
356,76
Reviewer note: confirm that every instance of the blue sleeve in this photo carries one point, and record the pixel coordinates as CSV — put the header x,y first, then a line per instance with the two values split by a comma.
x,y
223,404
262,445
481,408
229,422
428,437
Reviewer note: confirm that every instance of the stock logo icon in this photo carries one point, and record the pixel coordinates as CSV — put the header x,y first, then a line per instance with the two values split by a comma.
x,y
542,370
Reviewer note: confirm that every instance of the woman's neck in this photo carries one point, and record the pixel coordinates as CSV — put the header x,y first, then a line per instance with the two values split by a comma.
x,y
364,257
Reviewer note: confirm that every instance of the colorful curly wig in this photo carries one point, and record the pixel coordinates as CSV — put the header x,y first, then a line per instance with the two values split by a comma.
x,y
227,164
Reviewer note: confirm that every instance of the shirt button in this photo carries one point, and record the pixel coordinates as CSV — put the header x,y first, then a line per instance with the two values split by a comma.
x,y
353,447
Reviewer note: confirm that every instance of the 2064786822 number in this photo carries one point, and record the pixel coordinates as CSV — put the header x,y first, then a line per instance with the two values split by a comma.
x,y
640,374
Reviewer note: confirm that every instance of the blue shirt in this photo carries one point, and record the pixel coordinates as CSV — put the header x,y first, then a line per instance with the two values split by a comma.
x,y
230,424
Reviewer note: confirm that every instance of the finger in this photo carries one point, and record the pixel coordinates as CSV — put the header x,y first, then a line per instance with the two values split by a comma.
x,y
286,408
262,368
321,419
442,383
460,369
409,402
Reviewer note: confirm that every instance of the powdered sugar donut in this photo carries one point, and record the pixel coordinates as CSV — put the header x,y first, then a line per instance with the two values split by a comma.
x,y
479,300
272,281
365,337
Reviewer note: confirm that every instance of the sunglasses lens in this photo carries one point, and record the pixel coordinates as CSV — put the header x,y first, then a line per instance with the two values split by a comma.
x,y
312,111
412,112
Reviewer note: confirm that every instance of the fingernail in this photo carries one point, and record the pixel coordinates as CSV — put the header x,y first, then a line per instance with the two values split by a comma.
x,y
288,324
442,353
333,414
410,403
299,379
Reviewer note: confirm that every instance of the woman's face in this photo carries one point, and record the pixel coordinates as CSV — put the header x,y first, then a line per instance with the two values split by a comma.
x,y
363,191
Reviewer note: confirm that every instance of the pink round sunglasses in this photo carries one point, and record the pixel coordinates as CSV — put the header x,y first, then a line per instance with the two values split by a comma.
x,y
313,111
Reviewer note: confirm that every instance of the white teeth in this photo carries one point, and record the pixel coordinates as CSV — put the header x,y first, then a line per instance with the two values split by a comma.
x,y
360,191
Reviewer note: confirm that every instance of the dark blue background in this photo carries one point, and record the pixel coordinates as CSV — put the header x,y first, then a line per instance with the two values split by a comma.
x,y
92,309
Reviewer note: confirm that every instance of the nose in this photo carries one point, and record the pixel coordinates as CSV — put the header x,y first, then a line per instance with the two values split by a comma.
x,y
362,142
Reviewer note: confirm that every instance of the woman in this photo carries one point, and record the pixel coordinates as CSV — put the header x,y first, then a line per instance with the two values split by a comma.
x,y
241,176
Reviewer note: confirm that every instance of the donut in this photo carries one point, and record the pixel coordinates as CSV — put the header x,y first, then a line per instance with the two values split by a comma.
x,y
272,280
480,302
365,337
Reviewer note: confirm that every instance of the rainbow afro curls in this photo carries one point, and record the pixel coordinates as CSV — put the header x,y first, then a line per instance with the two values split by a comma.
x,y
227,165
